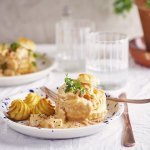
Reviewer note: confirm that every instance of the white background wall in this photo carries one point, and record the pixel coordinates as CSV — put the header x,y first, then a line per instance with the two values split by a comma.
x,y
35,19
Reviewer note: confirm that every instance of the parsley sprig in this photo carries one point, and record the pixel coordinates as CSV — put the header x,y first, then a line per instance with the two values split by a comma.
x,y
148,3
14,46
123,6
74,86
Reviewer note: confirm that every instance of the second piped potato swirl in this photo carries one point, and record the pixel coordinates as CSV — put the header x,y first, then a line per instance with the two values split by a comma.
x,y
32,99
44,107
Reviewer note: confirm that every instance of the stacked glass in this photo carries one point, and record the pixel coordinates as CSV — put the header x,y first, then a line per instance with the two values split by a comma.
x,y
70,40
107,58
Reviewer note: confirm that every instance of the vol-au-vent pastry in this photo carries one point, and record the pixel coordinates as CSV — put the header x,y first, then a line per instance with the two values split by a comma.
x,y
99,105
44,106
77,108
18,110
32,99
87,79
81,99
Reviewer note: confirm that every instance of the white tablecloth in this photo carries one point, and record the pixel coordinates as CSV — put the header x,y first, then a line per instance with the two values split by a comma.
x,y
138,87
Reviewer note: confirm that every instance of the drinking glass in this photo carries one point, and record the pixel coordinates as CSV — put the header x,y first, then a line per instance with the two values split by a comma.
x,y
70,42
107,58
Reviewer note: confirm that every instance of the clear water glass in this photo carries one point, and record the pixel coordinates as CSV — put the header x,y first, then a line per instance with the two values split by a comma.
x,y
107,58
70,42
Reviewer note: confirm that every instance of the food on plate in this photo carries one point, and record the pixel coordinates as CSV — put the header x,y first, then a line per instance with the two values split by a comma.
x,y
32,104
35,119
44,106
87,79
32,99
77,109
18,110
81,95
18,58
26,43
44,121
79,103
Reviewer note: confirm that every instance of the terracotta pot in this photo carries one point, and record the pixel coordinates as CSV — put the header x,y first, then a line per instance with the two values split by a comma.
x,y
139,53
144,12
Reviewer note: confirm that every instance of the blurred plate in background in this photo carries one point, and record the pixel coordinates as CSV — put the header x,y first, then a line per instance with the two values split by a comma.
x,y
45,64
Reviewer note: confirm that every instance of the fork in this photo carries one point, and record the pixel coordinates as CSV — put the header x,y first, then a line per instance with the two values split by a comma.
x,y
55,96
128,137
134,101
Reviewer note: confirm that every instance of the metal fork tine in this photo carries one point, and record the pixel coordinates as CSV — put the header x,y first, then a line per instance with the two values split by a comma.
x,y
53,93
50,93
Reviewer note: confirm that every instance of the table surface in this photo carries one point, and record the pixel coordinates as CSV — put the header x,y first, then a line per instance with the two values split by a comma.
x,y
138,86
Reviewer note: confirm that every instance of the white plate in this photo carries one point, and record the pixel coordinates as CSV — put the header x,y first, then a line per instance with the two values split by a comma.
x,y
114,112
45,64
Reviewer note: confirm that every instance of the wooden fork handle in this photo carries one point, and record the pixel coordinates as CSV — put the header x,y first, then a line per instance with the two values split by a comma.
x,y
128,137
128,140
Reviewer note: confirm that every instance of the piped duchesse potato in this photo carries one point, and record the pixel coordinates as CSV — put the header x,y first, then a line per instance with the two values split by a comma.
x,y
32,104
32,99
18,110
44,106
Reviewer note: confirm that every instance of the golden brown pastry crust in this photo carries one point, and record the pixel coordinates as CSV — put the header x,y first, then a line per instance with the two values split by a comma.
x,y
76,108
87,79
26,43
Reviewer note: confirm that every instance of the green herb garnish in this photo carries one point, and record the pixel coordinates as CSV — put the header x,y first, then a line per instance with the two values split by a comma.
x,y
74,86
37,55
148,3
34,63
30,52
14,46
122,6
